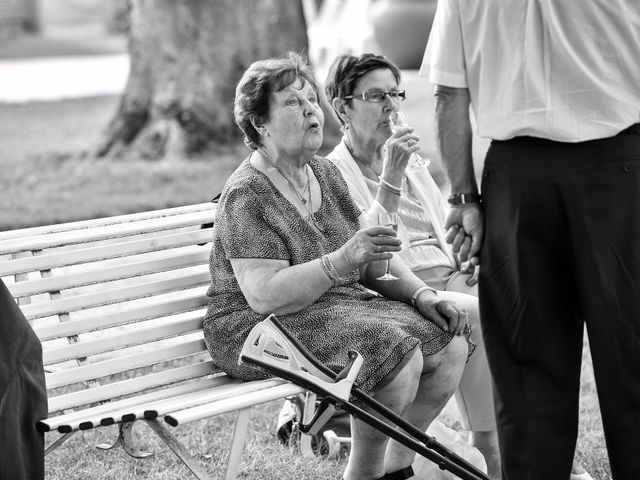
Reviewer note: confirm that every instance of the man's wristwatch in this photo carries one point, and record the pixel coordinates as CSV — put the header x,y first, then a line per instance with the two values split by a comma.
x,y
464,198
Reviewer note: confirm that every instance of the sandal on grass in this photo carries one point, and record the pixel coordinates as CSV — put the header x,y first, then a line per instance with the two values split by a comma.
x,y
401,474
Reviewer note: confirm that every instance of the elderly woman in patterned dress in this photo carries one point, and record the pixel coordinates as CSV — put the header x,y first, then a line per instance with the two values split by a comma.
x,y
288,240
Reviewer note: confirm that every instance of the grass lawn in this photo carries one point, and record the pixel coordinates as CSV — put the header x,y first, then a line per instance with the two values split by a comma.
x,y
47,176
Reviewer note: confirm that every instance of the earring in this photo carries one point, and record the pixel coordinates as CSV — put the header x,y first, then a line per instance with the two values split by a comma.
x,y
346,124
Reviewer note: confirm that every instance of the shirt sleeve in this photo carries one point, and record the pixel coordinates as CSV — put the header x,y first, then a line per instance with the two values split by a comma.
x,y
443,62
243,229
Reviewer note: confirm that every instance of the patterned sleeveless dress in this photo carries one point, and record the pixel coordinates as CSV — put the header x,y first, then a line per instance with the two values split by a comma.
x,y
254,220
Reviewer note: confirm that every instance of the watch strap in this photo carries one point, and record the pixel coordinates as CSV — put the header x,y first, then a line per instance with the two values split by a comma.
x,y
464,198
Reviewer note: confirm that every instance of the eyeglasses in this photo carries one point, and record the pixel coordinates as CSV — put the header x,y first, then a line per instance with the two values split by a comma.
x,y
378,96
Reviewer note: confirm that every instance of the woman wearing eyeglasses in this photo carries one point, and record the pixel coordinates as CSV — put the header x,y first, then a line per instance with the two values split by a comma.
x,y
383,173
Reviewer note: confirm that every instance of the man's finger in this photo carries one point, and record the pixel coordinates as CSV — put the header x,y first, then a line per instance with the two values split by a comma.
x,y
458,240
476,244
451,233
465,246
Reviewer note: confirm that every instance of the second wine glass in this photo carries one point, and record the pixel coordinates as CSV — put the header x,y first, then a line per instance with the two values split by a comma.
x,y
398,120
389,220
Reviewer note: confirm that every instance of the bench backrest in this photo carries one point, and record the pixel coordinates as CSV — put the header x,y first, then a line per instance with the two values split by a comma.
x,y
117,302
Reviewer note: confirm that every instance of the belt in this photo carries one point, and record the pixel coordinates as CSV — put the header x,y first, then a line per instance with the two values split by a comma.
x,y
538,141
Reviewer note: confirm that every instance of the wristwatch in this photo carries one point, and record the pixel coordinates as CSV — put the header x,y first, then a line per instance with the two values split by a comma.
x,y
464,198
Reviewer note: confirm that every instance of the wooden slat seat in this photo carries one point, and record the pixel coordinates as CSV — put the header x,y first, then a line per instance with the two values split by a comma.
x,y
151,309
106,414
118,304
121,249
107,274
133,385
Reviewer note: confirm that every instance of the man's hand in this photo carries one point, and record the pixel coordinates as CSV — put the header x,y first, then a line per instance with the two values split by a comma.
x,y
471,267
465,231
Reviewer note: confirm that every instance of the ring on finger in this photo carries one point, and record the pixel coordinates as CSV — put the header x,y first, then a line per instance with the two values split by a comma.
x,y
378,248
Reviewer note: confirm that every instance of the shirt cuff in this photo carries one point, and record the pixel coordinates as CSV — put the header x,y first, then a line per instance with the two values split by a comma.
x,y
447,79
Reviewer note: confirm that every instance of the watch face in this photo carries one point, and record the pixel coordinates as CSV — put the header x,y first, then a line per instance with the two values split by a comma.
x,y
455,199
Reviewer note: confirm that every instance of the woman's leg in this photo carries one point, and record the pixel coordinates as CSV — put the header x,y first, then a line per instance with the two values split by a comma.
x,y
474,396
438,380
368,445
418,390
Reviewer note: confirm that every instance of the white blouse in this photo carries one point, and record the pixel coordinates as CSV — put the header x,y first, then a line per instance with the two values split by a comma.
x,y
427,194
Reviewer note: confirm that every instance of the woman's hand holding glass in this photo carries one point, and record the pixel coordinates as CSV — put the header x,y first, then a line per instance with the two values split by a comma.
x,y
399,147
399,124
389,220
403,132
370,244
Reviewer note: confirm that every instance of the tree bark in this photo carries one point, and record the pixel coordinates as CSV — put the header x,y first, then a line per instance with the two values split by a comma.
x,y
186,59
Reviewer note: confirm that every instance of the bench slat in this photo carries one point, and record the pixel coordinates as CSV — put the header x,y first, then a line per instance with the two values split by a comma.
x,y
41,242
93,416
193,399
232,404
124,363
104,221
104,252
153,309
231,390
129,386
172,260
180,281
123,339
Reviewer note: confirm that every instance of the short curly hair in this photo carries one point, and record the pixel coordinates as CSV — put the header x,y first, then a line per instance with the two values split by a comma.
x,y
259,81
346,70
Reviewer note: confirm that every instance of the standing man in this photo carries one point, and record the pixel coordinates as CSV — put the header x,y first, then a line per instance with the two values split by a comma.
x,y
23,395
556,86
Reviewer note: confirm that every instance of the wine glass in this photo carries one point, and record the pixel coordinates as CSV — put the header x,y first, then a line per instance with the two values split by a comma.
x,y
389,220
397,120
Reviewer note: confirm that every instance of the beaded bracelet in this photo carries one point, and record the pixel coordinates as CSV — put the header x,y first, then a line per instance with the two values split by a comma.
x,y
330,270
389,187
416,294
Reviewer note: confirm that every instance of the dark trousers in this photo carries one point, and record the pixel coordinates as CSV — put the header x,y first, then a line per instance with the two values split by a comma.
x,y
23,395
562,249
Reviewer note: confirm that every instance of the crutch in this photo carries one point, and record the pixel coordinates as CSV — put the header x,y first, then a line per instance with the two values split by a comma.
x,y
271,347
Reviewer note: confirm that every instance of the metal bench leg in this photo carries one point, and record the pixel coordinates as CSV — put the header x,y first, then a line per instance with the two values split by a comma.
x,y
179,449
239,435
307,415
58,441
124,439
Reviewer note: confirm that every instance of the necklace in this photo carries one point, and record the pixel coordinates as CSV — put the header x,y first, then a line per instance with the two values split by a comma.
x,y
360,164
300,197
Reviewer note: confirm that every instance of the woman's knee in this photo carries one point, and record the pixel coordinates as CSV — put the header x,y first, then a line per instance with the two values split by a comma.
x,y
450,360
399,388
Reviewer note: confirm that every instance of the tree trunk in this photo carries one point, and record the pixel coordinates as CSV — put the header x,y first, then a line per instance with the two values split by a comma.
x,y
186,59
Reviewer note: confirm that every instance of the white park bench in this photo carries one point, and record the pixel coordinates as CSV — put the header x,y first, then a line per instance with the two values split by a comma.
x,y
118,304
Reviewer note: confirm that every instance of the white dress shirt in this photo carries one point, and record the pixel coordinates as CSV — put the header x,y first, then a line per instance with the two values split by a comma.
x,y
567,70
